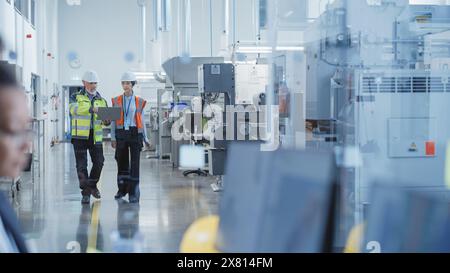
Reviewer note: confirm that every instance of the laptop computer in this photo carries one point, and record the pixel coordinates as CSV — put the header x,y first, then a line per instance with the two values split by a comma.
x,y
109,113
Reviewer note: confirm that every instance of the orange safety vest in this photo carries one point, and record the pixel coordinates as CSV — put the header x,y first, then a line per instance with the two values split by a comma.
x,y
140,105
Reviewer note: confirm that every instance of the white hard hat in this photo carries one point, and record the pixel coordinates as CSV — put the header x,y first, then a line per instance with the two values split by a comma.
x,y
90,76
128,77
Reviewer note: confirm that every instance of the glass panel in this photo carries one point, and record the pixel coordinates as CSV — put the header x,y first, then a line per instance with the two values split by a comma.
x,y
368,80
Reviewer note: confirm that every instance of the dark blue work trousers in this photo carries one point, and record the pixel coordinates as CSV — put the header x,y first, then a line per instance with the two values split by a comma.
x,y
128,155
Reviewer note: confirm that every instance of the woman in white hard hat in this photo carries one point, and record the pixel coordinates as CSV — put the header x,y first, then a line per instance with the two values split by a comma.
x,y
128,135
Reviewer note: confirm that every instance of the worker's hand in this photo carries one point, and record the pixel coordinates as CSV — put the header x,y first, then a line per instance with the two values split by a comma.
x,y
147,146
114,144
95,109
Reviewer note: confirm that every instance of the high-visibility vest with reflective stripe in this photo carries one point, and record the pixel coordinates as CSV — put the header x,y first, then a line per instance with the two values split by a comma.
x,y
81,117
140,105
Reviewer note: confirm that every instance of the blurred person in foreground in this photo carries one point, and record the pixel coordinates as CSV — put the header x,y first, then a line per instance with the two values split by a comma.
x,y
15,138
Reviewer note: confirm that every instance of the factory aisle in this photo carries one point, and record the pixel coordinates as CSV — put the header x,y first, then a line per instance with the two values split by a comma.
x,y
54,220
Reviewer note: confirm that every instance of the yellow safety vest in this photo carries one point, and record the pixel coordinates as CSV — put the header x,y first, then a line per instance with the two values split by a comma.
x,y
82,119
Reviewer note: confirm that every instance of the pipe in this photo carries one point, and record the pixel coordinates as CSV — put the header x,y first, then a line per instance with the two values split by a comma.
x,y
143,20
254,21
187,28
156,18
210,28
179,24
226,22
159,18
166,15
234,22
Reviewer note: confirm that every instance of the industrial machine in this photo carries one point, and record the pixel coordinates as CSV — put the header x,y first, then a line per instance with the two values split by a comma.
x,y
398,120
183,81
380,84
216,79
233,89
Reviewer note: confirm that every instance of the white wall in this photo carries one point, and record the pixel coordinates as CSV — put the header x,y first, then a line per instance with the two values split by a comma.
x,y
14,28
32,55
117,21
101,32
28,57
203,27
201,37
47,29
247,20
7,27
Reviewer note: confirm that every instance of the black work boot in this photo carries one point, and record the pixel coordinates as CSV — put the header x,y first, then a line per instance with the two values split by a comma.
x,y
134,192
122,185
86,193
133,199
119,195
86,199
95,192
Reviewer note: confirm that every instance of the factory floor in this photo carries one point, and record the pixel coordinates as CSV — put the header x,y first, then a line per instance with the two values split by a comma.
x,y
54,220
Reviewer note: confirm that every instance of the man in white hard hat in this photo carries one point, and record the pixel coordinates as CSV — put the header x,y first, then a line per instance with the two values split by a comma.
x,y
87,135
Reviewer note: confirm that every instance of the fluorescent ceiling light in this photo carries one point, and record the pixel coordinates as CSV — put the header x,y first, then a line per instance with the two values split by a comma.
x,y
144,75
145,78
255,49
73,2
267,50
291,48
149,75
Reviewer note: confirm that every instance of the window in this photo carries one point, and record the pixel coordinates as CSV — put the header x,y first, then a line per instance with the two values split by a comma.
x,y
18,5
23,7
26,9
33,13
263,13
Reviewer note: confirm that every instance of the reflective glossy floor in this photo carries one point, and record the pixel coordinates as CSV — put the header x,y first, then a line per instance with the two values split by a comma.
x,y
54,220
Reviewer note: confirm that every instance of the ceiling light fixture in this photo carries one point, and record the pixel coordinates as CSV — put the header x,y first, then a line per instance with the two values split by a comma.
x,y
267,50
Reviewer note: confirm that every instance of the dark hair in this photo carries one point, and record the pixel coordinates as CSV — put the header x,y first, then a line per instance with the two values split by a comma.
x,y
6,77
133,83
2,46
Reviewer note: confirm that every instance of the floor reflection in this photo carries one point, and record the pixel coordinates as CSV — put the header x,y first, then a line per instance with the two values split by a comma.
x,y
55,221
89,231
127,238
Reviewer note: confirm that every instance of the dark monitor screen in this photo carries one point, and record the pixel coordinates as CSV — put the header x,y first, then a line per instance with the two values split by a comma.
x,y
276,202
298,202
242,196
402,220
